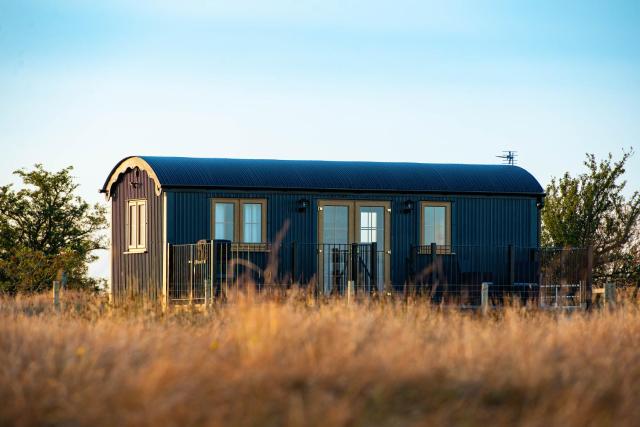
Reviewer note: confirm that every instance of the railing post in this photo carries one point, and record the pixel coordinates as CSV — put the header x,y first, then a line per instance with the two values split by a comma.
x,y
434,255
484,298
374,267
354,263
293,262
214,268
207,292
191,267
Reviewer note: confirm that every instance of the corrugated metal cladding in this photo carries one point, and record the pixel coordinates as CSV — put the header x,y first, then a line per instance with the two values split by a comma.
x,y
475,220
136,274
492,205
349,176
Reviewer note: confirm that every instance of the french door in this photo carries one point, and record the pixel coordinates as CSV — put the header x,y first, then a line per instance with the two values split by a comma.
x,y
346,231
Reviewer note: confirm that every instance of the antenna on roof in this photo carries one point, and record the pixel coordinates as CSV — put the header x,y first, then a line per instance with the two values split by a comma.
x,y
509,157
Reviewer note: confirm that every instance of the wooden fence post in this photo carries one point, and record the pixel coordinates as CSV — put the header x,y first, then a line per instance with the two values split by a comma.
x,y
56,295
207,292
610,295
484,298
63,280
350,290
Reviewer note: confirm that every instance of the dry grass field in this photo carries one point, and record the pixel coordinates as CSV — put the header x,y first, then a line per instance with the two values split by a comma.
x,y
265,362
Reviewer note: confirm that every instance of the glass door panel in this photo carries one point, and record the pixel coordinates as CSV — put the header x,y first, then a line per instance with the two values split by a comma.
x,y
335,229
335,246
346,230
372,230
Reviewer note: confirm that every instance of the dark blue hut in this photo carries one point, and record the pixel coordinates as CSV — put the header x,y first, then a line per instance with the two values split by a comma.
x,y
325,221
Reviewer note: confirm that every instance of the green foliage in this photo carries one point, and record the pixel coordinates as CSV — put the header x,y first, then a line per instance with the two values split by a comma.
x,y
46,228
591,210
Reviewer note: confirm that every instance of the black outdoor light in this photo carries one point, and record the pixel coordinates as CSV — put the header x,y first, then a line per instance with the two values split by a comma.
x,y
408,206
303,204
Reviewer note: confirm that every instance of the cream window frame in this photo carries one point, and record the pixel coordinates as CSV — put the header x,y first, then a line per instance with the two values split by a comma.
x,y
426,246
238,222
137,225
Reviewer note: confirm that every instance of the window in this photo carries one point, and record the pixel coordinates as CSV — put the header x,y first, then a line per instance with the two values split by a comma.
x,y
435,226
371,224
252,214
136,225
240,220
224,221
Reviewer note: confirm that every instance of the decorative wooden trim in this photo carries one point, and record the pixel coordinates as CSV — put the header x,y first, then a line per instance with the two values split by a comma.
x,y
129,164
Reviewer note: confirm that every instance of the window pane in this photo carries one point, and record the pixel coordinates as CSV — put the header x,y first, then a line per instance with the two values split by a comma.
x,y
372,230
133,219
428,237
434,225
142,226
335,227
439,225
224,221
372,225
252,227
335,233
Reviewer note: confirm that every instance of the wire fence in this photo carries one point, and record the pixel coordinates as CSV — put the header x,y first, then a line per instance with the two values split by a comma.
x,y
445,275
549,277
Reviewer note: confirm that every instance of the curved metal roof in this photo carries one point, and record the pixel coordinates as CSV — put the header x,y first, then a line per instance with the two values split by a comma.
x,y
189,172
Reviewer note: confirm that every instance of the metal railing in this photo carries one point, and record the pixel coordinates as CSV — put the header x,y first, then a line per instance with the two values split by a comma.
x,y
446,275
209,269
333,268
548,277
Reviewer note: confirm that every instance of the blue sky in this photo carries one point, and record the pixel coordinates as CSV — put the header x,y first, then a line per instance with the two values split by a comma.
x,y
86,83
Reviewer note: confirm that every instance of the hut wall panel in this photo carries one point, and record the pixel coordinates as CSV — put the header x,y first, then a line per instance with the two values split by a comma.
x,y
476,220
136,275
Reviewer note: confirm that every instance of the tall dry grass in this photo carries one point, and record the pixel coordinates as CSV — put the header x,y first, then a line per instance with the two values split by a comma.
x,y
265,362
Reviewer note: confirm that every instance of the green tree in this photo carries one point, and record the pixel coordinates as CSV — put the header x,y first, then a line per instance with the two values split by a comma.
x,y
591,210
44,228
